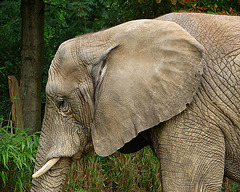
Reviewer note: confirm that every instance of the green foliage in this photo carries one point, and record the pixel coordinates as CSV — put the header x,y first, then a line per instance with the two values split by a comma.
x,y
230,186
17,159
132,172
122,11
214,6
236,187
10,43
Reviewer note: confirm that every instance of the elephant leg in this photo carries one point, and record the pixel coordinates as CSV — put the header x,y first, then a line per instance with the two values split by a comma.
x,y
191,153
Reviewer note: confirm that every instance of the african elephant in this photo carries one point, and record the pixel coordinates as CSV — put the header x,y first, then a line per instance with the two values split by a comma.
x,y
172,83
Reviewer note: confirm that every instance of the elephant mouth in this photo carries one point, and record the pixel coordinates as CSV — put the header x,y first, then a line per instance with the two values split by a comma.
x,y
50,163
46,167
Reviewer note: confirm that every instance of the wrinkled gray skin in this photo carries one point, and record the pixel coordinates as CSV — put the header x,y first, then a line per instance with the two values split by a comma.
x,y
196,148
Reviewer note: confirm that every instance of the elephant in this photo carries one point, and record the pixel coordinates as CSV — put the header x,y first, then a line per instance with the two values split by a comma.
x,y
172,83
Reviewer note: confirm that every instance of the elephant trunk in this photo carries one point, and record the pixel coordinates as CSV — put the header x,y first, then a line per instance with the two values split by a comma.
x,y
50,169
54,178
46,167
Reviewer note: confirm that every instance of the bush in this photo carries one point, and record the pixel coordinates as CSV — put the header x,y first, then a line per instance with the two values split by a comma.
x,y
17,158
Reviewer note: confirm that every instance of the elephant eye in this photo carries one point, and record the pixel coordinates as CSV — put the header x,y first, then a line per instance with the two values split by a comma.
x,y
60,103
63,106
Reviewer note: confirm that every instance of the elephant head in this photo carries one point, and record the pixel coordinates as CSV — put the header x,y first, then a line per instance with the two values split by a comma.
x,y
106,87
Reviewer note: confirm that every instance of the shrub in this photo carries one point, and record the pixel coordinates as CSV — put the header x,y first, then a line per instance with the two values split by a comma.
x,y
17,159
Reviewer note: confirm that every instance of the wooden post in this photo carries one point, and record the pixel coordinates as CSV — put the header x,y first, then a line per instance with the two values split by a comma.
x,y
14,93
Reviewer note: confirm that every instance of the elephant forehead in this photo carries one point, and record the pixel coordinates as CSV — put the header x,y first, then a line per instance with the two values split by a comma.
x,y
64,78
61,87
63,64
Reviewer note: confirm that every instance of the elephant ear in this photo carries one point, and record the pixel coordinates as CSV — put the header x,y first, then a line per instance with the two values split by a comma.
x,y
149,78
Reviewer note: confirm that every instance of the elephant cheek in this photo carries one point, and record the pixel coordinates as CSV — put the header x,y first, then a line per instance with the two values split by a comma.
x,y
76,139
62,139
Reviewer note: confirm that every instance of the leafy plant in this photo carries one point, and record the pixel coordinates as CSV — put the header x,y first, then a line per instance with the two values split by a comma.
x,y
17,159
236,187
215,6
10,43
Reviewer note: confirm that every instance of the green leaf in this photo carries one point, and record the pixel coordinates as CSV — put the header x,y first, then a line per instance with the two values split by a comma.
x,y
23,145
4,178
5,159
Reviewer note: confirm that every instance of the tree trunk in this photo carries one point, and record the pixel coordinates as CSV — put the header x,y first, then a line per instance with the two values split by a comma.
x,y
32,13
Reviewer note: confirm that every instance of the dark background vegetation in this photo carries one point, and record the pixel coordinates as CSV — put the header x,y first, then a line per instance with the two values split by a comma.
x,y
65,19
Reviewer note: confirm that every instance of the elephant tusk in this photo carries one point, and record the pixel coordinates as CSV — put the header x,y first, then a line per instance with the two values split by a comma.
x,y
46,167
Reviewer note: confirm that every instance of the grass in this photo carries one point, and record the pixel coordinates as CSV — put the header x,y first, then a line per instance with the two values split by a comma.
x,y
230,186
133,172
17,159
